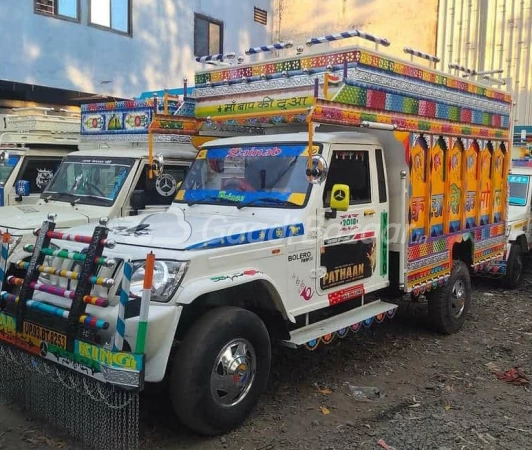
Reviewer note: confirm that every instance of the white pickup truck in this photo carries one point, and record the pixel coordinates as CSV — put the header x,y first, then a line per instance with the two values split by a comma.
x,y
519,228
109,175
292,237
33,141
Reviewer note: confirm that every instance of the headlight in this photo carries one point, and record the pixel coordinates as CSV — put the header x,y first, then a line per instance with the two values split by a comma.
x,y
167,276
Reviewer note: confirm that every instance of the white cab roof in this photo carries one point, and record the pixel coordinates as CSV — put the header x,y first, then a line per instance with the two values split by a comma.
x,y
333,137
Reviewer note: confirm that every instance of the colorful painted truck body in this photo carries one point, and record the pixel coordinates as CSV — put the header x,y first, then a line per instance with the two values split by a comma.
x,y
109,175
33,141
294,235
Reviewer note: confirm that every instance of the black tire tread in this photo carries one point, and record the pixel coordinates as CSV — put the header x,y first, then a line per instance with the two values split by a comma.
x,y
438,303
509,280
190,393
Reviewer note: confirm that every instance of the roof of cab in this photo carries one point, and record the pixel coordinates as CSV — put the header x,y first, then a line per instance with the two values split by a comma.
x,y
169,151
301,137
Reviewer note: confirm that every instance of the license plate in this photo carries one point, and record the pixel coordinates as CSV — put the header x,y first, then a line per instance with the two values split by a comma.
x,y
45,334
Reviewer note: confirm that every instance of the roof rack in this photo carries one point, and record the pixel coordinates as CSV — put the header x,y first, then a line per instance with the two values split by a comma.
x,y
350,86
18,139
38,119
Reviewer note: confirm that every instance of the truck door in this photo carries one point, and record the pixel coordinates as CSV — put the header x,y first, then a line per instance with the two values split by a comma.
x,y
159,192
351,256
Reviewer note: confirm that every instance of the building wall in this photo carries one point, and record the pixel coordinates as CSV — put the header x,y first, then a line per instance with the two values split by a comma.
x,y
47,51
411,23
491,35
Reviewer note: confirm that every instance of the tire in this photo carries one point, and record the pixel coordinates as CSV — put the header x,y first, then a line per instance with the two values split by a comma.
x,y
514,268
447,312
197,370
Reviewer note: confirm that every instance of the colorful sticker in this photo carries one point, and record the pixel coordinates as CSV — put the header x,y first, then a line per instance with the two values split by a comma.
x,y
418,189
437,188
497,184
267,234
349,222
455,186
347,263
471,201
486,194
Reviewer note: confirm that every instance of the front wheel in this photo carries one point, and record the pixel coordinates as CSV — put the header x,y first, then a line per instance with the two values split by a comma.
x,y
220,370
449,305
514,267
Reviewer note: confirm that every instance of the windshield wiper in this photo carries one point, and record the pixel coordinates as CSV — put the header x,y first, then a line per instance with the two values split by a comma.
x,y
211,198
267,200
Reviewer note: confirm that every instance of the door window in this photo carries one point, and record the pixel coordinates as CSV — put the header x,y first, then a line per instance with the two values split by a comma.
x,y
351,168
161,190
39,172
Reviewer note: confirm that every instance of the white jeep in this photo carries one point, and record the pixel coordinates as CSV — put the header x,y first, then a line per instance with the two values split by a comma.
x,y
111,181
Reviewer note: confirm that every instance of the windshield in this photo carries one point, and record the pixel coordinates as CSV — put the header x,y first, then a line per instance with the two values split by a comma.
x,y
262,175
518,189
87,180
6,167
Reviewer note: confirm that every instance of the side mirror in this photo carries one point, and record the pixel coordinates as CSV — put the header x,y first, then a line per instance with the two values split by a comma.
x,y
339,200
4,158
137,202
22,189
158,164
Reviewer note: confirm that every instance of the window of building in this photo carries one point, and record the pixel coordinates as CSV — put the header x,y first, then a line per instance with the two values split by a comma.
x,y
208,36
260,16
63,9
114,15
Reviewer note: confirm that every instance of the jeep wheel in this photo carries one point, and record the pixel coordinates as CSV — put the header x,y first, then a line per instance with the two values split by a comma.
x,y
220,370
514,268
449,304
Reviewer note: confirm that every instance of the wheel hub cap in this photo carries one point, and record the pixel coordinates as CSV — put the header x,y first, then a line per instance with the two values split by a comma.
x,y
233,372
458,299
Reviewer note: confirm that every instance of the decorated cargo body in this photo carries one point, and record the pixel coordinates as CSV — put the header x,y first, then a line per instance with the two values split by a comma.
x,y
358,173
120,144
33,141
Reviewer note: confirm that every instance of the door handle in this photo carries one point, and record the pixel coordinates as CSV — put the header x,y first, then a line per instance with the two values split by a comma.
x,y
369,212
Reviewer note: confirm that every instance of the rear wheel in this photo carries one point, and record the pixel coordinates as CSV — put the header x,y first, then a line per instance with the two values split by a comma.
x,y
220,370
514,267
449,304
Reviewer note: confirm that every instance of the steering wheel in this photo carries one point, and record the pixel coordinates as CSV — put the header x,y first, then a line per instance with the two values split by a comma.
x,y
238,184
96,188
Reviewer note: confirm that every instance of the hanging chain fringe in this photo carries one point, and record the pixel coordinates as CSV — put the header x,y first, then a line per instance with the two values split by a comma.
x,y
97,415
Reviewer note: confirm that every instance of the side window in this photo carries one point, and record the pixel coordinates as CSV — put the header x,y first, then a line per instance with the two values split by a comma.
x,y
161,190
39,172
351,168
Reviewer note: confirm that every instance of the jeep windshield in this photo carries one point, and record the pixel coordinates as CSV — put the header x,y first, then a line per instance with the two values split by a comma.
x,y
87,180
254,176
518,189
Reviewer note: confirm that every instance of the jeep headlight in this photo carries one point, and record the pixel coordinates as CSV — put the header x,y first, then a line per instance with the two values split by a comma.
x,y
167,276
